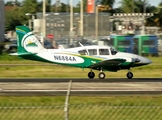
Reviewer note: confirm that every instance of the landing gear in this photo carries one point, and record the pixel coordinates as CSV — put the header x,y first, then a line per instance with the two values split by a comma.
x,y
91,75
129,75
101,75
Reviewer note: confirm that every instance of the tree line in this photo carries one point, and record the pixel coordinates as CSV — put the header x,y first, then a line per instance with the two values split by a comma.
x,y
15,11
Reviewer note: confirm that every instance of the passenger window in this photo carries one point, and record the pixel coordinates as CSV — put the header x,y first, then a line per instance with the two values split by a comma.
x,y
104,51
92,51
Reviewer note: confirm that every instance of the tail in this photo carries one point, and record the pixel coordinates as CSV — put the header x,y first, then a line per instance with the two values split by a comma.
x,y
27,42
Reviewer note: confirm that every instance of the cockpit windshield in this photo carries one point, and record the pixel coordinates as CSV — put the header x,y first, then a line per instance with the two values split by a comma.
x,y
113,51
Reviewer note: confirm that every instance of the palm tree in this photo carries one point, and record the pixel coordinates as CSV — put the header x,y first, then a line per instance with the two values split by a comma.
x,y
110,3
141,6
158,15
77,8
127,6
135,6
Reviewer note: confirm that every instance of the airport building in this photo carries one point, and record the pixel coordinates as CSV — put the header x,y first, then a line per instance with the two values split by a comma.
x,y
58,24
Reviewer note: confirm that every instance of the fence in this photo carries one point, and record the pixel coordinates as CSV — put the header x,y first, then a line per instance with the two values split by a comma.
x,y
58,24
81,112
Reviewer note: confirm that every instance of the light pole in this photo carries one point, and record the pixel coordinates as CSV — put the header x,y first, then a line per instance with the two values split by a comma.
x,y
144,11
144,6
71,21
96,23
67,6
81,17
55,6
96,19
44,22
31,22
44,18
132,6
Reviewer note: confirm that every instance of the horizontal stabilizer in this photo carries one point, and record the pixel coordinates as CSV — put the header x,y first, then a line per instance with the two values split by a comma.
x,y
21,54
13,54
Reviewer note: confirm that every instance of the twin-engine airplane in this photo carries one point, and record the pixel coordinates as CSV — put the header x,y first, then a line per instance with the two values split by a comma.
x,y
102,58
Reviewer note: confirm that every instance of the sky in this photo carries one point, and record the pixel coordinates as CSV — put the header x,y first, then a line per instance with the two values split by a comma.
x,y
151,2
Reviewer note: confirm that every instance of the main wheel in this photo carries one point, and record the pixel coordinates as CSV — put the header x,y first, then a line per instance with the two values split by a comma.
x,y
91,75
129,75
101,75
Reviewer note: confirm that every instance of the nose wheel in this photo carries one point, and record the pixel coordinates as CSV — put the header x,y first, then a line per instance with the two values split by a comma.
x,y
129,75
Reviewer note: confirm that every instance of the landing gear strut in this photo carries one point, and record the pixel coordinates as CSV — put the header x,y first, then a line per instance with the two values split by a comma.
x,y
129,75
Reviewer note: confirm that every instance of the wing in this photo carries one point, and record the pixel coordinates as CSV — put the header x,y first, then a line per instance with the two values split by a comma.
x,y
106,64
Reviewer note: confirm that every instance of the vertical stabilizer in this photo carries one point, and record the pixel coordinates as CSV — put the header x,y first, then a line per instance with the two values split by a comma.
x,y
27,41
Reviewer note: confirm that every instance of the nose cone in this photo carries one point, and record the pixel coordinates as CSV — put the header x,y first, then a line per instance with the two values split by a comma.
x,y
145,61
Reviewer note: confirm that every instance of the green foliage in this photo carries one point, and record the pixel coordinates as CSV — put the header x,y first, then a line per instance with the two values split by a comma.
x,y
126,6
77,8
14,18
17,15
30,6
158,15
7,57
63,7
108,2
11,3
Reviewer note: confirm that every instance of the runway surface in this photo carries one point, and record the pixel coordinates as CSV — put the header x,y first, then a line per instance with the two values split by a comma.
x,y
56,80
111,86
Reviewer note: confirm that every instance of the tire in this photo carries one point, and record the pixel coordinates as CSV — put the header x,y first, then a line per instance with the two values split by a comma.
x,y
129,75
91,75
101,75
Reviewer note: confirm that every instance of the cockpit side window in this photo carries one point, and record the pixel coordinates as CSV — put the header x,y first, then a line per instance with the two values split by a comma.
x,y
83,52
104,51
92,51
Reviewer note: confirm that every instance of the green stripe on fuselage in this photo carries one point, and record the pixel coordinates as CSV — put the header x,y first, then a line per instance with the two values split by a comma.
x,y
88,60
